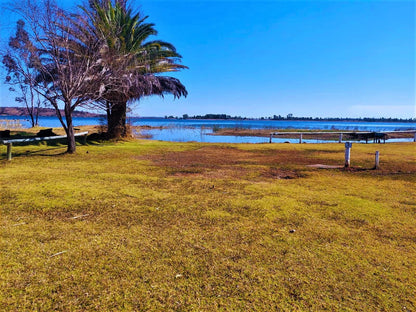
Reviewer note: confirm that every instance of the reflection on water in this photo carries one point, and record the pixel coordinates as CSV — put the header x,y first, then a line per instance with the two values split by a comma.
x,y
185,130
188,134
179,130
185,134
275,124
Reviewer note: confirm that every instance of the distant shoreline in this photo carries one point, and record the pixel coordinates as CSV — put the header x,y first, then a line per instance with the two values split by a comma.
x,y
43,112
339,119
49,112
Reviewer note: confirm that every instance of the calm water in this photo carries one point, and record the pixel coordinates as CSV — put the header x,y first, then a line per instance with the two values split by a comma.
x,y
277,124
200,130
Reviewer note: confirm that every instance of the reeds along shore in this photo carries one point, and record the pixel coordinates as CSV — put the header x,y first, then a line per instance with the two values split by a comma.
x,y
10,124
307,134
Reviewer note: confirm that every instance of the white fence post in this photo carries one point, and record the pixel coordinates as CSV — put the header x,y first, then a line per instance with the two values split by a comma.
x,y
377,164
348,146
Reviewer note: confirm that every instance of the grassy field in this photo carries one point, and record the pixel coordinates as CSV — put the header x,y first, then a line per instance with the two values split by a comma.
x,y
153,226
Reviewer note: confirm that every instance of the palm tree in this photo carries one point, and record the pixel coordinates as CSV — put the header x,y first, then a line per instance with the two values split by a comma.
x,y
133,64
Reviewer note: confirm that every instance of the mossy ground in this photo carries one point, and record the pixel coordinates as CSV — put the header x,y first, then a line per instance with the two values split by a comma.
x,y
157,226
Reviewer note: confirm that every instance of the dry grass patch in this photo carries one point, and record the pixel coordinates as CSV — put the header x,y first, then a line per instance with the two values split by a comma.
x,y
130,227
226,161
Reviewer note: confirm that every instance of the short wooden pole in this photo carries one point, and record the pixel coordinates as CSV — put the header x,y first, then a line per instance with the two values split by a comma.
x,y
9,151
377,164
414,139
348,146
271,136
340,138
300,139
84,140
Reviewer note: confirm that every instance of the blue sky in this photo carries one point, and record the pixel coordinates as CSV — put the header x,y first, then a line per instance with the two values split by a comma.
x,y
264,58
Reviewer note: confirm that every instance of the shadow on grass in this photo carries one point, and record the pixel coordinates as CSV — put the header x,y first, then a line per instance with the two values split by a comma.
x,y
49,147
42,152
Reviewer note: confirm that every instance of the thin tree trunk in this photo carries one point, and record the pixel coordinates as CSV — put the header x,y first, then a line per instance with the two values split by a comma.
x,y
32,120
32,107
108,111
117,120
37,111
37,117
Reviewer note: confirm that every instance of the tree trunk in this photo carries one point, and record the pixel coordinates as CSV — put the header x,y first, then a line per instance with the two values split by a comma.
x,y
70,131
37,111
117,120
32,120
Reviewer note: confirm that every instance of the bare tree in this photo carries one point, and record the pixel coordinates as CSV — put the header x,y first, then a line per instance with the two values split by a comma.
x,y
21,76
66,57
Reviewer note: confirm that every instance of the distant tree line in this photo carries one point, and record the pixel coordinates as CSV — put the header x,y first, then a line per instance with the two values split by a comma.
x,y
211,116
291,117
381,119
96,58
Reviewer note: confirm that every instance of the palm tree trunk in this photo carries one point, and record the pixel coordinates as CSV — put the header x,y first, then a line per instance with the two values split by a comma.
x,y
117,120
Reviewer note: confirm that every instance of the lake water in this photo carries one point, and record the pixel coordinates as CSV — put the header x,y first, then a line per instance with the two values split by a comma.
x,y
179,130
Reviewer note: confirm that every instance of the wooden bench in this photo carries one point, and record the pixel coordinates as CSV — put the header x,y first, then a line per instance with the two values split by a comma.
x,y
376,136
9,143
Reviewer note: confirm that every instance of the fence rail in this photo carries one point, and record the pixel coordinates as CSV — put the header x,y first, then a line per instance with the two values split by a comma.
x,y
364,135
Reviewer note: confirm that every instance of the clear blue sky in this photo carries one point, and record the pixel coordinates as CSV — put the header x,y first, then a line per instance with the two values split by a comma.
x,y
264,58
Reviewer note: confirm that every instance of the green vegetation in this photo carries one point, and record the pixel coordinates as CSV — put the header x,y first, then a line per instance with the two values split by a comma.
x,y
157,226
134,63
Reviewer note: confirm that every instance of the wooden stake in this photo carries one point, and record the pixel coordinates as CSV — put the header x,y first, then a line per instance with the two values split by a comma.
x,y
340,138
300,139
9,151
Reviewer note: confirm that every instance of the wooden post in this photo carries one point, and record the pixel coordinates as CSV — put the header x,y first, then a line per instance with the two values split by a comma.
x,y
348,146
340,138
9,151
414,139
300,139
271,135
377,164
84,140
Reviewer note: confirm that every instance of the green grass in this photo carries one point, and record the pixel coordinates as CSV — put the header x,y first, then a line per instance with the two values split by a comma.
x,y
199,227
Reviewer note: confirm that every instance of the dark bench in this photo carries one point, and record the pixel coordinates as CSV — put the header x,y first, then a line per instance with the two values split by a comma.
x,y
375,136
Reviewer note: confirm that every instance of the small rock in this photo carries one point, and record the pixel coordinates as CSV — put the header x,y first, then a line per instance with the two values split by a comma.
x,y
292,231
